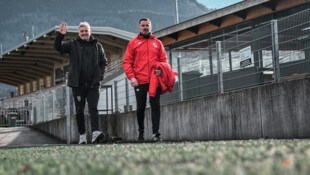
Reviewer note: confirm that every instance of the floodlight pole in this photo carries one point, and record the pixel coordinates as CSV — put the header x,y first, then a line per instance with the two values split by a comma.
x,y
1,51
32,31
176,11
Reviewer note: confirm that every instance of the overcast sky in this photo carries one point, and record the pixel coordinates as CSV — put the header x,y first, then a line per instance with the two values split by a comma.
x,y
217,3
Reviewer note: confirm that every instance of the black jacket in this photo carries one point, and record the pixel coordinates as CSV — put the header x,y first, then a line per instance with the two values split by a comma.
x,y
73,48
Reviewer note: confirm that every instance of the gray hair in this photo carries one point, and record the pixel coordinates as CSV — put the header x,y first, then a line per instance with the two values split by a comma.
x,y
84,24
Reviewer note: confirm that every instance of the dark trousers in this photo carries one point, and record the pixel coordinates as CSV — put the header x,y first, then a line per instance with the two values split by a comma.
x,y
80,94
141,96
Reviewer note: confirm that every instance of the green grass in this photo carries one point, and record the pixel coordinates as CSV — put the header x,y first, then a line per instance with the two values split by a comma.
x,y
222,157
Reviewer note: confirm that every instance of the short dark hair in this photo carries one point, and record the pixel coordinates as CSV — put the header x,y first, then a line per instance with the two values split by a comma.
x,y
145,19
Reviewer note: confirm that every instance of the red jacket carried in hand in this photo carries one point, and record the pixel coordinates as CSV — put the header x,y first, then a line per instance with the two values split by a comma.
x,y
165,80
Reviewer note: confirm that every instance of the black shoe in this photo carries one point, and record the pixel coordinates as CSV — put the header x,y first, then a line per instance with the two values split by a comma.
x,y
97,137
156,138
140,138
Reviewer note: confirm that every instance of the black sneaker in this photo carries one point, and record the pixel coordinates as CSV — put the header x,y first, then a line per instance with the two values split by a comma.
x,y
156,138
140,138
97,137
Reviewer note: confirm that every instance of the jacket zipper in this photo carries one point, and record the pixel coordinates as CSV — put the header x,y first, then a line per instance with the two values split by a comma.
x,y
148,58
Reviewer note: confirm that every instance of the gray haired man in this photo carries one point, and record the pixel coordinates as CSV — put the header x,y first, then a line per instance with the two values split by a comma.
x,y
87,64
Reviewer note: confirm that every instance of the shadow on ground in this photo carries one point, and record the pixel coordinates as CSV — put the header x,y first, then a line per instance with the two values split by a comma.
x,y
25,136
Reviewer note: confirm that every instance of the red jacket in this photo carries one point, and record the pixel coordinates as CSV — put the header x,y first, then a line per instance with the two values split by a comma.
x,y
166,79
140,57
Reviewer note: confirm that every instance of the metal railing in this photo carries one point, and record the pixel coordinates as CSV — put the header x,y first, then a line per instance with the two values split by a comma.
x,y
113,67
278,50
44,105
15,117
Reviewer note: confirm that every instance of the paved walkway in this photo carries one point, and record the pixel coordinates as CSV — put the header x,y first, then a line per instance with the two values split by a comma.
x,y
25,136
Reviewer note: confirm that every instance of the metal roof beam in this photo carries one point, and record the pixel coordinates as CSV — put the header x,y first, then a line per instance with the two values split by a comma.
x,y
112,41
194,29
21,77
21,73
216,22
38,51
241,14
36,65
17,81
10,82
174,36
40,46
44,64
270,4
51,42
29,66
57,57
23,70
20,58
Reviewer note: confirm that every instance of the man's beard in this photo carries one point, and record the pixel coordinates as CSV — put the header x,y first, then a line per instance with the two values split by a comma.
x,y
146,34
86,37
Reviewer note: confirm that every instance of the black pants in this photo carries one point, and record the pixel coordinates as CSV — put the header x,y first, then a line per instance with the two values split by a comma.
x,y
141,94
80,94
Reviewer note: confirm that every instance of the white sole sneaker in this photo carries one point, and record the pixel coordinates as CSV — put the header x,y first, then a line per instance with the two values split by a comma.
x,y
83,139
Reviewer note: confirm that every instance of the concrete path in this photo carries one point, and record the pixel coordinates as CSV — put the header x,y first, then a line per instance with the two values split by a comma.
x,y
25,136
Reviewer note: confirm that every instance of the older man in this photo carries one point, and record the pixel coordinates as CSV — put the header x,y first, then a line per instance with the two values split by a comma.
x,y
87,63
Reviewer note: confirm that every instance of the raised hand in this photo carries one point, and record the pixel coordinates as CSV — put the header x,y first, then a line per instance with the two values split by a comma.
x,y
63,28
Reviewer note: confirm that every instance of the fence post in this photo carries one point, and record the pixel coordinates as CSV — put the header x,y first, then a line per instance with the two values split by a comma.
x,y
32,111
68,119
53,104
275,49
219,66
180,77
127,95
170,58
116,96
44,106
106,99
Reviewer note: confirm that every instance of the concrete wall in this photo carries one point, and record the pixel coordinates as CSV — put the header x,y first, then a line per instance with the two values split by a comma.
x,y
279,110
57,128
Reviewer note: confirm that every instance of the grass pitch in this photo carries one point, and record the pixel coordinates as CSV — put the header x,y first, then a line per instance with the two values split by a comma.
x,y
266,157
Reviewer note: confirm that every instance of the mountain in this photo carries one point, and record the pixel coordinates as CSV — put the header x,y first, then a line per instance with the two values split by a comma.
x,y
18,17
21,16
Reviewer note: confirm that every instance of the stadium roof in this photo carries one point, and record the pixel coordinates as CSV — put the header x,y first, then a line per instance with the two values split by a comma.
x,y
37,58
219,19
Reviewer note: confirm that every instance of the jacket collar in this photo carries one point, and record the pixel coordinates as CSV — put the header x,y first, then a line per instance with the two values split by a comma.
x,y
141,37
